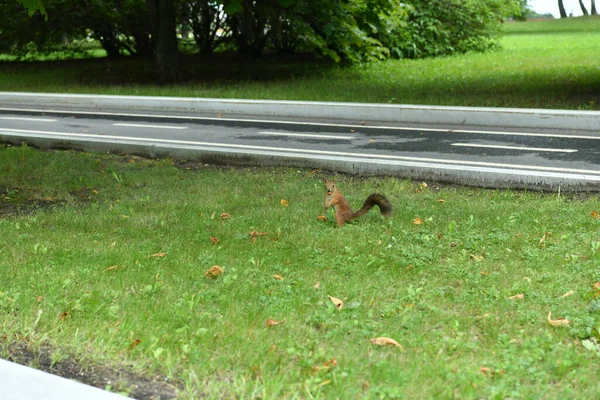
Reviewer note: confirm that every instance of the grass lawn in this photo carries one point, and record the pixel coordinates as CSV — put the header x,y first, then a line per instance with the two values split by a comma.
x,y
103,262
542,64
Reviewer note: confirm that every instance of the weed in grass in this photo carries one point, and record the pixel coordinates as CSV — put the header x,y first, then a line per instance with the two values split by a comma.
x,y
121,280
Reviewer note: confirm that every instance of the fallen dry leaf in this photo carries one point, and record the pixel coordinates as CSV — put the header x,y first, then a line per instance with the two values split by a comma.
x,y
214,271
113,267
257,233
133,344
519,296
417,221
284,202
272,322
441,201
278,277
225,215
557,322
314,171
336,302
383,341
371,140
595,214
543,239
40,299
157,255
322,218
485,370
64,315
214,239
596,285
317,285
327,365
569,293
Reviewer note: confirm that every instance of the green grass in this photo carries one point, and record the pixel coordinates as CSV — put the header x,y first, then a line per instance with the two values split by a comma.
x,y
542,64
441,288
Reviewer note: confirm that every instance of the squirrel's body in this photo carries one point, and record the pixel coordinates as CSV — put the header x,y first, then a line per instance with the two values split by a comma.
x,y
343,213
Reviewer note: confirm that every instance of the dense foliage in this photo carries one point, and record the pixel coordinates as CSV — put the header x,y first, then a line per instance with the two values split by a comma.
x,y
345,30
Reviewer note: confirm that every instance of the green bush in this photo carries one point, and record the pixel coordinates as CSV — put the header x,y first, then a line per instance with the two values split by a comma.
x,y
443,27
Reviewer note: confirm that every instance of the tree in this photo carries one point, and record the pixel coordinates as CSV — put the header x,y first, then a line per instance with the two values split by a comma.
x,y
164,36
593,11
583,9
561,9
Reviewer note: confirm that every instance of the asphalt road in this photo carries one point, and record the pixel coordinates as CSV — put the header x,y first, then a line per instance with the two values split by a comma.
x,y
491,157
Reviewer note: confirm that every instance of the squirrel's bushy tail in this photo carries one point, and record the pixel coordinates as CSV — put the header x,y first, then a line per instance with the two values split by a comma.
x,y
375,199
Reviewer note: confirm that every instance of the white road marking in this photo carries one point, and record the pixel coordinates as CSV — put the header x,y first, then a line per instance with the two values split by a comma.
x,y
493,146
29,119
356,127
152,126
309,135
378,158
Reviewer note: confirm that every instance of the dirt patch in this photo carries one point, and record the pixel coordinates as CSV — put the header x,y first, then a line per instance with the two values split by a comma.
x,y
20,201
17,201
136,386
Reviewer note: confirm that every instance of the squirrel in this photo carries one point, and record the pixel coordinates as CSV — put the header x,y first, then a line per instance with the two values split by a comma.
x,y
343,213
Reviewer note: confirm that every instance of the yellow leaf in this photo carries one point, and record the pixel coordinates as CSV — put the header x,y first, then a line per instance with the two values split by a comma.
x,y
386,341
317,285
477,258
519,296
441,201
336,302
272,322
322,218
417,221
284,202
569,293
214,271
225,215
157,255
557,322
278,277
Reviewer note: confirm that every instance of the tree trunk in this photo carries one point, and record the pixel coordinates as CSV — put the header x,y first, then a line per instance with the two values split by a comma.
x,y
583,9
561,8
164,38
593,11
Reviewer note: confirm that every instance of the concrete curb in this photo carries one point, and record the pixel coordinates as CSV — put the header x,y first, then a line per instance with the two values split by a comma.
x,y
491,117
18,382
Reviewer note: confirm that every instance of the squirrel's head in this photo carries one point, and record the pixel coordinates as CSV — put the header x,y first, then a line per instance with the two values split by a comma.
x,y
329,186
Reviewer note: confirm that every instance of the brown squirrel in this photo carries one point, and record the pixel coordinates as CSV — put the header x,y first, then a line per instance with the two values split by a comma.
x,y
343,213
